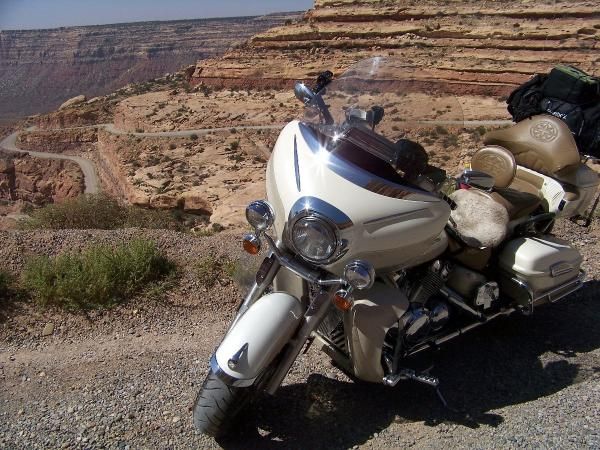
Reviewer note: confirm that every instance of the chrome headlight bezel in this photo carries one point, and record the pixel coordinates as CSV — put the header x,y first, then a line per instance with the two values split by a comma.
x,y
320,210
337,243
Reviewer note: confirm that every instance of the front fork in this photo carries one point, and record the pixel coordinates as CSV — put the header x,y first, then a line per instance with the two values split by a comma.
x,y
314,315
263,279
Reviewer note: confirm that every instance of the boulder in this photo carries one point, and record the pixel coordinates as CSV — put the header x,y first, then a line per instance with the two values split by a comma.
x,y
196,204
139,199
164,201
73,101
7,165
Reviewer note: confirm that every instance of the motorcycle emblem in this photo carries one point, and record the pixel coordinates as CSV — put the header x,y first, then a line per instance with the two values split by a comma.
x,y
544,131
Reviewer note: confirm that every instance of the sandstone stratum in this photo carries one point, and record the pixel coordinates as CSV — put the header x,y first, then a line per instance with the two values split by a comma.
x,y
197,141
477,47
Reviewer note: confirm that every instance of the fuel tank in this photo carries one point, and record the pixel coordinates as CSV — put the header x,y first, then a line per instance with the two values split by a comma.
x,y
391,225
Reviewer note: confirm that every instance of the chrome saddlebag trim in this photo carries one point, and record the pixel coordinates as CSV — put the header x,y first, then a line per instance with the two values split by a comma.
x,y
225,377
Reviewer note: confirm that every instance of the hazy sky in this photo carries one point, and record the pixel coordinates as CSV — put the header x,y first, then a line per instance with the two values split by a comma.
x,y
24,14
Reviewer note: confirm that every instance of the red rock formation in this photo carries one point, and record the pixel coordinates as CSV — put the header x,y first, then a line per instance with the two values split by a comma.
x,y
58,141
39,181
471,47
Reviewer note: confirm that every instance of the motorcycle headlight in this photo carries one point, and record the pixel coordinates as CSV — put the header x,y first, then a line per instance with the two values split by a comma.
x,y
314,239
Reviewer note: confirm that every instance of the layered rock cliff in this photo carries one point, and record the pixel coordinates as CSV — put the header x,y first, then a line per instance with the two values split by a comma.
x,y
475,47
40,69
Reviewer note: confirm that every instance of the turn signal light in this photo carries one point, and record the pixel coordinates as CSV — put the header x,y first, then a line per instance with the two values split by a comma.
x,y
342,301
251,244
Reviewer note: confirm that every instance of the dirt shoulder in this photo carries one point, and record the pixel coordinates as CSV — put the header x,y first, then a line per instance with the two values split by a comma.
x,y
126,378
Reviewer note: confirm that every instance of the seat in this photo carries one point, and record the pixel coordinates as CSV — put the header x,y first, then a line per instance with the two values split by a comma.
x,y
479,220
517,203
518,197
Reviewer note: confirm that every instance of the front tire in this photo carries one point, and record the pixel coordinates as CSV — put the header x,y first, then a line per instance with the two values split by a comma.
x,y
217,405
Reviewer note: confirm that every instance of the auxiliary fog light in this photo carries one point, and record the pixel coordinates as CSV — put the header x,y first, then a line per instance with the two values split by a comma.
x,y
359,274
251,244
260,215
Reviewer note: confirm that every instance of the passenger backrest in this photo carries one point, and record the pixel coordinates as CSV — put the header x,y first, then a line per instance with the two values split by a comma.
x,y
497,162
542,143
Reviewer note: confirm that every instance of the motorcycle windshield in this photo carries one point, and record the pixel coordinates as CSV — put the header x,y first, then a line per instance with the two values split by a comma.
x,y
379,103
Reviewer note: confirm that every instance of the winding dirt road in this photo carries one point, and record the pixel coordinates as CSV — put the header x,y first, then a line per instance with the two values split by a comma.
x,y
87,167
92,184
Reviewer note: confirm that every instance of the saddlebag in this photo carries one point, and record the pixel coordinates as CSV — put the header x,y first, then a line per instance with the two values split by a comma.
x,y
539,269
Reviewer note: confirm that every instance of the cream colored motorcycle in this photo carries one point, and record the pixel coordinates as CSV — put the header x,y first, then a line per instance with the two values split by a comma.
x,y
376,255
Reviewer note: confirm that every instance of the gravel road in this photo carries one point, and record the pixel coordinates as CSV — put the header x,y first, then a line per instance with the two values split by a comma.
x,y
87,167
126,378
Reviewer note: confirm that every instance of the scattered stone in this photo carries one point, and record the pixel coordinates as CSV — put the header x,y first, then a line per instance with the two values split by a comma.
x,y
48,329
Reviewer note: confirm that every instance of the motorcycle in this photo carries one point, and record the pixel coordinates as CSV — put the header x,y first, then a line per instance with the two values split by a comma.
x,y
376,255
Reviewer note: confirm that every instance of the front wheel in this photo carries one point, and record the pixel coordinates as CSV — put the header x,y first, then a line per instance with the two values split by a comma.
x,y
217,405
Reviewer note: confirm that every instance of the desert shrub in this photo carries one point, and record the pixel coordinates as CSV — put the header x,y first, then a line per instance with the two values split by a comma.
x,y
154,219
451,140
194,137
440,130
235,144
97,211
210,270
98,277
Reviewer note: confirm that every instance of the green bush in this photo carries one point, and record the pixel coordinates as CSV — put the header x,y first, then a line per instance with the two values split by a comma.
x,y
210,270
97,211
98,277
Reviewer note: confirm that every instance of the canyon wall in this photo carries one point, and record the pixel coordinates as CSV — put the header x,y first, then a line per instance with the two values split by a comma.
x,y
40,69
472,46
39,181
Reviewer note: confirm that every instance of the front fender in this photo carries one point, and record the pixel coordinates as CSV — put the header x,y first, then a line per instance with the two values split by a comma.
x,y
257,337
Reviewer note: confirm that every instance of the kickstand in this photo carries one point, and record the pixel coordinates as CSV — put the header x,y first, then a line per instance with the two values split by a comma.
x,y
443,400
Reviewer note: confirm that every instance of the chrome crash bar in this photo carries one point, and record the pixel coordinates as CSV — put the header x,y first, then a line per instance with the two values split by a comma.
x,y
553,295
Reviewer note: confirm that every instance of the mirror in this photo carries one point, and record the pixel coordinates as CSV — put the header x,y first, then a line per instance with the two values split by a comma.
x,y
303,93
477,179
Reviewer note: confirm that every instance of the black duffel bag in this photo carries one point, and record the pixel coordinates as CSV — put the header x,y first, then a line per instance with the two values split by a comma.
x,y
567,93
584,122
524,101
569,113
588,139
572,85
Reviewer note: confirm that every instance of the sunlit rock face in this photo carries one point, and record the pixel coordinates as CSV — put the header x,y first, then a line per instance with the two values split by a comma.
x,y
477,47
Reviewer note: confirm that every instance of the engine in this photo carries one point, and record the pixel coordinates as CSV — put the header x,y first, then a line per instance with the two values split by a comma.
x,y
443,297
